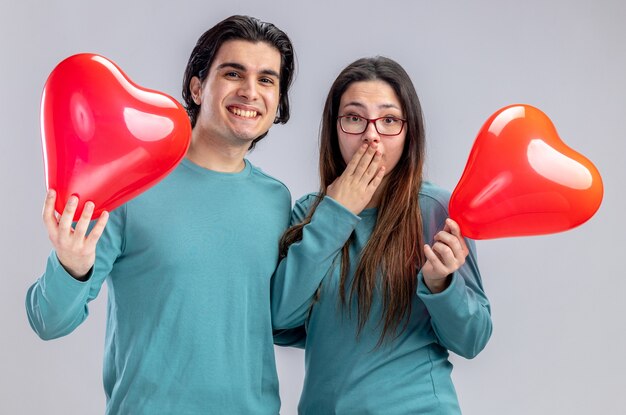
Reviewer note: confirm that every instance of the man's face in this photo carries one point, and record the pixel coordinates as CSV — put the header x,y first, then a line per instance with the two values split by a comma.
x,y
239,98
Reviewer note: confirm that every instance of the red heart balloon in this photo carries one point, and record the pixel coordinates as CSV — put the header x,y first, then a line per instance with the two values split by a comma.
x,y
104,138
521,179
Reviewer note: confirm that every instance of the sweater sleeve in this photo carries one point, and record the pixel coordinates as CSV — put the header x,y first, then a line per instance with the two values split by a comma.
x,y
307,262
295,337
460,315
57,303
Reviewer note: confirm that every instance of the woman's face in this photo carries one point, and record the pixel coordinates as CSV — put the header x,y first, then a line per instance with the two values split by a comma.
x,y
371,100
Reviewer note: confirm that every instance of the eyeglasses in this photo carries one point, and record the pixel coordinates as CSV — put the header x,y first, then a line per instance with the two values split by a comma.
x,y
353,124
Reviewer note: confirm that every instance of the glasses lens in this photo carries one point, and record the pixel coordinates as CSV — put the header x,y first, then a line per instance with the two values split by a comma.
x,y
353,125
389,126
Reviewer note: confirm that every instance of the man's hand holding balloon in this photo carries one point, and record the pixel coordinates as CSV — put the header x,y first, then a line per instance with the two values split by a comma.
x,y
105,140
75,249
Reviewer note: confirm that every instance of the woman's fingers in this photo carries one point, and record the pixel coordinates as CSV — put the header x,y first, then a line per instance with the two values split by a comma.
x,y
364,162
446,255
356,185
448,251
372,168
455,230
452,241
376,180
356,158
433,263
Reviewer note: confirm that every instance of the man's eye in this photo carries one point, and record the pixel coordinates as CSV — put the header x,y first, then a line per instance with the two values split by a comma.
x,y
267,80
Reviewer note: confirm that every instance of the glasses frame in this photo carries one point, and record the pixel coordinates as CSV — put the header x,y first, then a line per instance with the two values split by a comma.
x,y
371,120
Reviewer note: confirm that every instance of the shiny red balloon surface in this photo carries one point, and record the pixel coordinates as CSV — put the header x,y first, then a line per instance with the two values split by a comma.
x,y
105,138
522,179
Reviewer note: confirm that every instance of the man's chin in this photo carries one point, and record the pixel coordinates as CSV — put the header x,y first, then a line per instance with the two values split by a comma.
x,y
248,139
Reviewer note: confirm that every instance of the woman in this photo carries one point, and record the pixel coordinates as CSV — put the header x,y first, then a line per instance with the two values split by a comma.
x,y
382,281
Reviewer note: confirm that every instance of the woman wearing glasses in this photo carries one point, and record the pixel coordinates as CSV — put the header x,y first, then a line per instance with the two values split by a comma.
x,y
380,281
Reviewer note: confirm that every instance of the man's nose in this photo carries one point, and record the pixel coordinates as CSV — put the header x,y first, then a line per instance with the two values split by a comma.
x,y
248,89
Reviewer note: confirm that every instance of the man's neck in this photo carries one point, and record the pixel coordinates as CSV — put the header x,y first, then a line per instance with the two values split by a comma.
x,y
217,155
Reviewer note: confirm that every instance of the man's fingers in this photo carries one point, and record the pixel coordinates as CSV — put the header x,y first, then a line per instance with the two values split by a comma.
x,y
83,223
49,219
65,222
98,228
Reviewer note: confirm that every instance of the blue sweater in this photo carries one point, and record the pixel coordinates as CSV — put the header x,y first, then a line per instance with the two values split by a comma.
x,y
188,266
350,375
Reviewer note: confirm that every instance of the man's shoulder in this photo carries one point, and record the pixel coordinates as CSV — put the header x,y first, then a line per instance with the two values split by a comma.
x,y
267,179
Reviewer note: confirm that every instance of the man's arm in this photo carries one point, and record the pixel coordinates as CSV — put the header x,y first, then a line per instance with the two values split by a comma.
x,y
57,303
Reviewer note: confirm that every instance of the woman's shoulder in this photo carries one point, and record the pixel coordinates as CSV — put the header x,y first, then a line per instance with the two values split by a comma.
x,y
433,202
434,199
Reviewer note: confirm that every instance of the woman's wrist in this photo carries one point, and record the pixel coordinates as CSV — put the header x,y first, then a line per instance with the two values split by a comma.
x,y
438,285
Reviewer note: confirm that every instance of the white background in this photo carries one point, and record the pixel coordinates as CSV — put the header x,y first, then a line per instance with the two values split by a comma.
x,y
558,301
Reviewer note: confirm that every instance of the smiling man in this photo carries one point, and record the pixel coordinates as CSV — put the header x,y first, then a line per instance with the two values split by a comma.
x,y
187,263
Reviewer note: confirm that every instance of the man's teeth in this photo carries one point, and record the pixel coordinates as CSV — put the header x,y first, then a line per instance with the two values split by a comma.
x,y
243,113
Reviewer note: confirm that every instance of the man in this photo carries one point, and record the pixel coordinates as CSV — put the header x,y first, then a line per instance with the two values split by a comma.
x,y
188,263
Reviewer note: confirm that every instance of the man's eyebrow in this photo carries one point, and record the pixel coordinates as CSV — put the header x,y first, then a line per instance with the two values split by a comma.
x,y
233,65
270,72
240,67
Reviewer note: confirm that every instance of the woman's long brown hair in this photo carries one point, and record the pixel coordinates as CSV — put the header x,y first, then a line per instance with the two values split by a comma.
x,y
393,255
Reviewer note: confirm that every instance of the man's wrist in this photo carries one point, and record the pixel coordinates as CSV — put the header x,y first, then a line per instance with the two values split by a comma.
x,y
76,274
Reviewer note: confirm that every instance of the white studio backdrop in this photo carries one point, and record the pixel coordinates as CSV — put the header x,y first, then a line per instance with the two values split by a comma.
x,y
557,300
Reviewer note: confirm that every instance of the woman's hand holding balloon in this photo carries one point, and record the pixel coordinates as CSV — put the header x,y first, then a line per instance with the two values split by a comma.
x,y
446,255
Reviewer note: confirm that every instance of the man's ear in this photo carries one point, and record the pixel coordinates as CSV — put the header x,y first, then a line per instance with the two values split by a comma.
x,y
195,86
